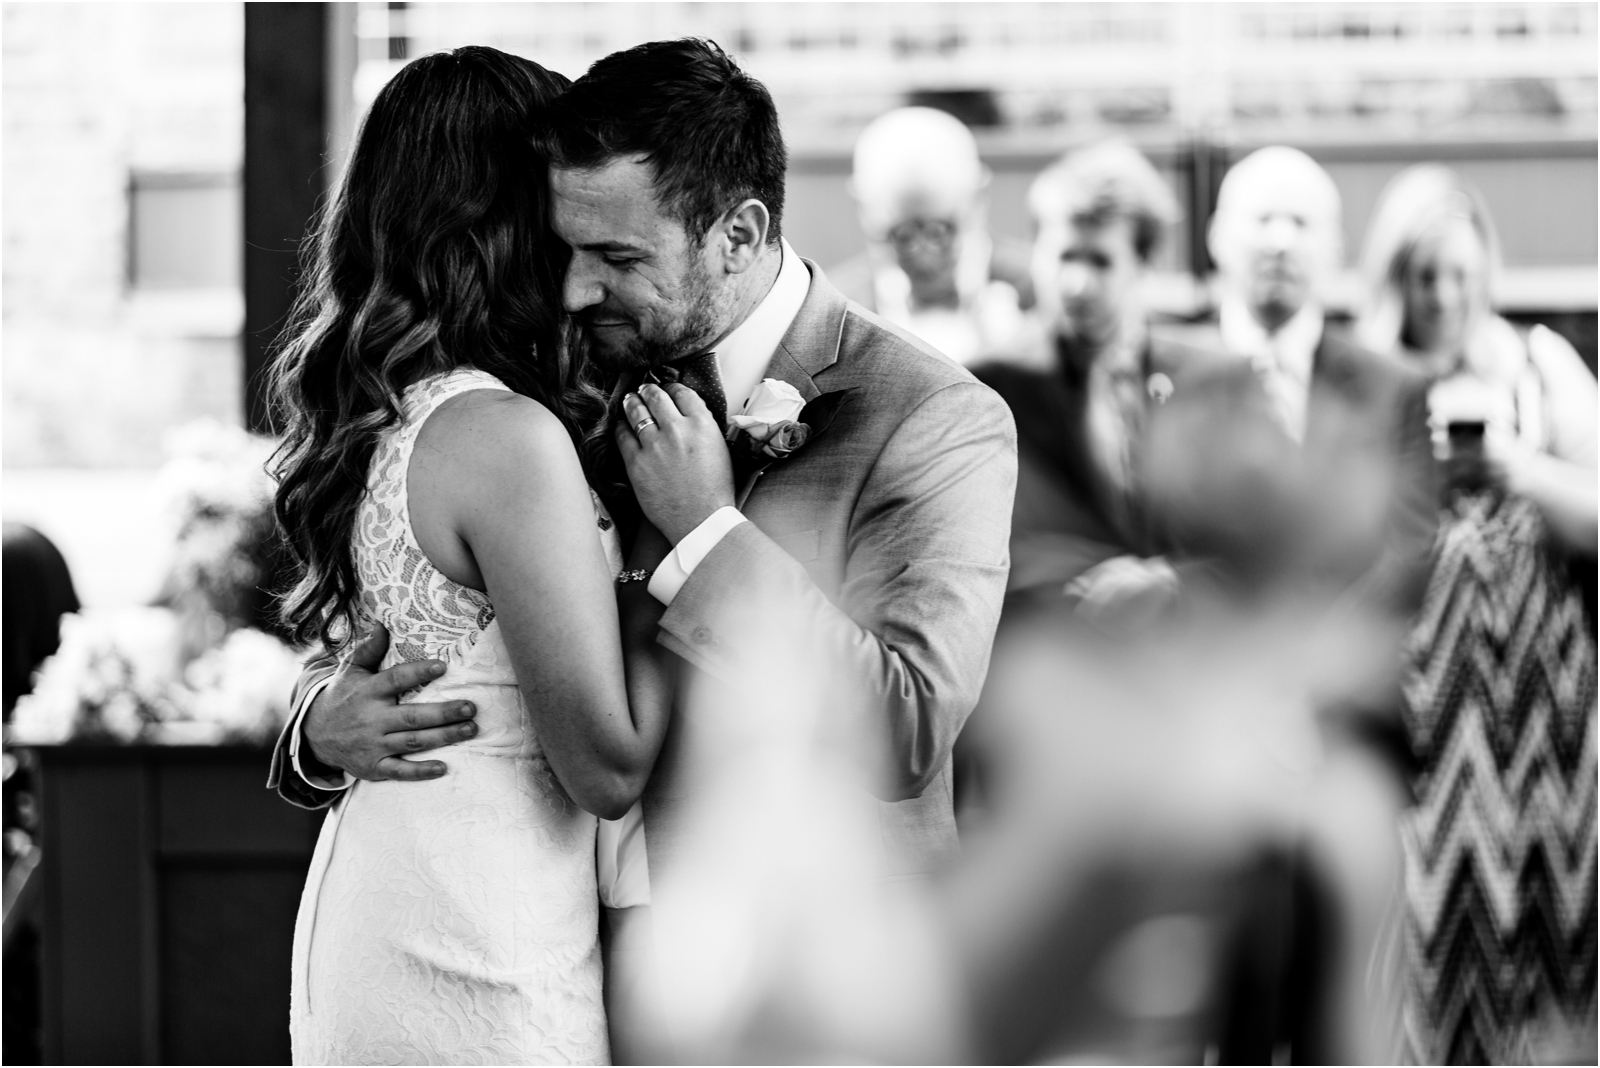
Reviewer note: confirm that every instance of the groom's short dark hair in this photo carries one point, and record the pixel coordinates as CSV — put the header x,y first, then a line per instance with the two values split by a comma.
x,y
709,130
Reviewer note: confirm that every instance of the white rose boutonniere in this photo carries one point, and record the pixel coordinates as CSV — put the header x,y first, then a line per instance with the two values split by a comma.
x,y
773,403
776,423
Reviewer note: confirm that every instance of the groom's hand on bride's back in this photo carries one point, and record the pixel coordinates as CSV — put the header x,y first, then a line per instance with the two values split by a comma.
x,y
357,723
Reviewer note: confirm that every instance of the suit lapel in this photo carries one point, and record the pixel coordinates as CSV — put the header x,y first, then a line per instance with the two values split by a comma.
x,y
809,347
811,344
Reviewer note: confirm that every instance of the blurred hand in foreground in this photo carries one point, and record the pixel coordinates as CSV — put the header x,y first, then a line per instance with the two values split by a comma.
x,y
1130,588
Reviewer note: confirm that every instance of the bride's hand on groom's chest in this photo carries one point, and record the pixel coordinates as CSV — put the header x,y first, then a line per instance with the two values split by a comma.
x,y
676,457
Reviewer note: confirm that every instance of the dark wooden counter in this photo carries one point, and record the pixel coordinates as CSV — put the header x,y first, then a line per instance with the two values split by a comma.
x,y
171,878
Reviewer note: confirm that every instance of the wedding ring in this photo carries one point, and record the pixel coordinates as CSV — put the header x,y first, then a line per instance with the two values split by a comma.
x,y
638,428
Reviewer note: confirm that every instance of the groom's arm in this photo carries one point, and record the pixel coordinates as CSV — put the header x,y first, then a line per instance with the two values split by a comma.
x,y
348,723
922,588
295,775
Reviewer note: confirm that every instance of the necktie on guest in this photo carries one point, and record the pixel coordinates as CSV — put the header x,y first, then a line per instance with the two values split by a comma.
x,y
1115,426
1286,394
699,372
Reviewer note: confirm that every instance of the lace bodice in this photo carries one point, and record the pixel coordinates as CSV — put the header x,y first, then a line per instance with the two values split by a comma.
x,y
427,614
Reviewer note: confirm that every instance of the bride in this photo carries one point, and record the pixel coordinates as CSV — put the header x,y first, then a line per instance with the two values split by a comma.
x,y
429,483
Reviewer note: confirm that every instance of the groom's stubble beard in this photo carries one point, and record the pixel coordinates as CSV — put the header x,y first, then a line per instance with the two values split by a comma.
x,y
687,333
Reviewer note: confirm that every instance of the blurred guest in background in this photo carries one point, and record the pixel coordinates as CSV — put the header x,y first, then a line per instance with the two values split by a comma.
x,y
1275,240
931,265
1101,213
38,592
1500,692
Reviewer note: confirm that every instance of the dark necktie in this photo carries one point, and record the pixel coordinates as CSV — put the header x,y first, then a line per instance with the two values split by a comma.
x,y
699,372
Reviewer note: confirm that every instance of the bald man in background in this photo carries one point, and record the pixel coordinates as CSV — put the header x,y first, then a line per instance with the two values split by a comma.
x,y
931,265
1275,238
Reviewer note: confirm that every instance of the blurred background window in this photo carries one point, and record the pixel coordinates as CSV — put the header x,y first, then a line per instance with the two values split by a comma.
x,y
183,229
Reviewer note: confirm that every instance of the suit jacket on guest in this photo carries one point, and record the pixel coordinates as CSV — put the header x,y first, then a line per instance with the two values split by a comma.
x,y
1064,523
1067,517
1358,399
887,535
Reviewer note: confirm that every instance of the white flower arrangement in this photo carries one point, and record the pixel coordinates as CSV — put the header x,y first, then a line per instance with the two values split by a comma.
x,y
109,678
241,690
214,469
116,678
219,496
193,670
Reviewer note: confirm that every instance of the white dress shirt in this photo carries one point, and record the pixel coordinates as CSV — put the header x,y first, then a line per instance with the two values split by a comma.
x,y
1282,359
343,780
742,359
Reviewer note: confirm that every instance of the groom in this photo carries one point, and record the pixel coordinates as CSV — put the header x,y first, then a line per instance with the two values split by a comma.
x,y
882,525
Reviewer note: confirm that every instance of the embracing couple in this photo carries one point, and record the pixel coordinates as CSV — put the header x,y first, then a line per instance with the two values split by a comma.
x,y
526,292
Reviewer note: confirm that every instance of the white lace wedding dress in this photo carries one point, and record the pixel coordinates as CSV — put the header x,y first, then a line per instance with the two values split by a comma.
x,y
452,921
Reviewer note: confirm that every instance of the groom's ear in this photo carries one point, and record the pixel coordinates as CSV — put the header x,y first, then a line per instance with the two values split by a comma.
x,y
741,234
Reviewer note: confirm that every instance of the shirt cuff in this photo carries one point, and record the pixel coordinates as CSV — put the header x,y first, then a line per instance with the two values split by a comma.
x,y
680,563
343,781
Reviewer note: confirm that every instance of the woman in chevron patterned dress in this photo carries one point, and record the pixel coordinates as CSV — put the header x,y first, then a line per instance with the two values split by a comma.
x,y
1500,688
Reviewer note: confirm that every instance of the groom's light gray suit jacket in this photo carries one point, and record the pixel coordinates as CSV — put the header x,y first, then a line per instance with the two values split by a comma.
x,y
886,536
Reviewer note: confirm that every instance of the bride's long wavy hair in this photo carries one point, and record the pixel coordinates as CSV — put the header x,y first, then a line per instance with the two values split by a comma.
x,y
434,253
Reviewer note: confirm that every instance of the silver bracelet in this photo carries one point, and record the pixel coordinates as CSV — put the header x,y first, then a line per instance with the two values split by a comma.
x,y
636,575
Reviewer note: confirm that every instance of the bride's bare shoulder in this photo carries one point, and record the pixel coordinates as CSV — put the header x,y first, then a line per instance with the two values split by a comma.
x,y
492,429
489,466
